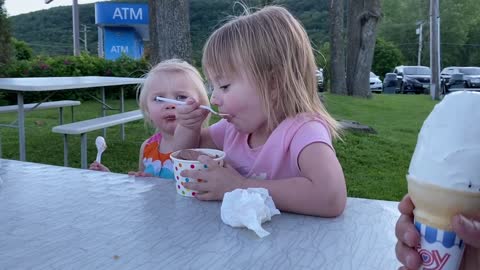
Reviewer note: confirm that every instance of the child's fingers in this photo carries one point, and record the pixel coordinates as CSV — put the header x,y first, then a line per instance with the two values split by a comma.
x,y
208,161
94,166
200,187
194,174
205,196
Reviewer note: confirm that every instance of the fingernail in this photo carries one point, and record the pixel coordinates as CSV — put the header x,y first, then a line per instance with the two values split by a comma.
x,y
466,223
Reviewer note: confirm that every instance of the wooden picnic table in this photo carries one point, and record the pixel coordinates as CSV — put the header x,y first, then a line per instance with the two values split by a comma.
x,y
65,218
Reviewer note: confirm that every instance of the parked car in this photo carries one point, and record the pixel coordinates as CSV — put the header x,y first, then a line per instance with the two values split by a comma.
x,y
375,83
413,79
319,75
460,77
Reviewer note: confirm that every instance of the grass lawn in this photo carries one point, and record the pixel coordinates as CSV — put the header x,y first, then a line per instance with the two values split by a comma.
x,y
374,165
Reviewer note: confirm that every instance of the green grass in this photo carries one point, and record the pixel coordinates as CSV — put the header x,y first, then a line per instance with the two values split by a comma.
x,y
374,165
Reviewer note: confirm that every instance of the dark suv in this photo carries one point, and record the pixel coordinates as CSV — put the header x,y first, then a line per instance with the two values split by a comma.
x,y
413,79
460,78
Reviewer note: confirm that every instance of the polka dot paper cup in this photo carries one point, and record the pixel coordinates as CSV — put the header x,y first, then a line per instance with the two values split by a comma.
x,y
181,164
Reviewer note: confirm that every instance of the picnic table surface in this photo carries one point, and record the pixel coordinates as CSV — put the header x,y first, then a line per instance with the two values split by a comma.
x,y
40,84
65,218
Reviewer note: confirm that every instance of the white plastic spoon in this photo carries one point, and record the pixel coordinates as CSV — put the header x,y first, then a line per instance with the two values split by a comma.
x,y
178,102
101,146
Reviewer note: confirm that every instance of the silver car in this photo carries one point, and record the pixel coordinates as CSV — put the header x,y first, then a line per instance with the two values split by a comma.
x,y
375,83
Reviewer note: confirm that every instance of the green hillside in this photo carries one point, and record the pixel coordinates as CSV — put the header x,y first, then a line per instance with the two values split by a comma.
x,y
49,32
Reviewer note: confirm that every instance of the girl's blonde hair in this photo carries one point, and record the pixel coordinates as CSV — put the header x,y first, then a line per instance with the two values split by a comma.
x,y
171,65
274,51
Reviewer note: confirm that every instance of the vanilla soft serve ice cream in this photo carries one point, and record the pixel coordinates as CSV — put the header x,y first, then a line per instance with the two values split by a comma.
x,y
448,147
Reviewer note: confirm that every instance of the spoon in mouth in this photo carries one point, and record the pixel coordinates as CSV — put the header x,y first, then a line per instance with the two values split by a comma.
x,y
101,146
178,102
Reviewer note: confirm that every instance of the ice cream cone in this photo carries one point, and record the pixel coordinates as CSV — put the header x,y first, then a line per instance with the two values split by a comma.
x,y
440,247
435,205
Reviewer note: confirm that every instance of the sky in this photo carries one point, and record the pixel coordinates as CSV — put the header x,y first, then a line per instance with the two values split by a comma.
x,y
16,7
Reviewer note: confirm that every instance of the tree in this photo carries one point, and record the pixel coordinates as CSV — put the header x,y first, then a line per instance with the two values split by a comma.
x,y
386,57
5,37
363,18
22,50
337,49
169,30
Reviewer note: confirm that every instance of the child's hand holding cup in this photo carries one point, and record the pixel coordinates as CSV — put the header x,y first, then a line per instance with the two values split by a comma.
x,y
188,160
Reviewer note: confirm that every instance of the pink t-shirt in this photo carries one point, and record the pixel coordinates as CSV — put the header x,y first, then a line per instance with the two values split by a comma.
x,y
278,157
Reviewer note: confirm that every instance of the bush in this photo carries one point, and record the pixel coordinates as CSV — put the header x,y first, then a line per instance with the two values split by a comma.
x,y
386,57
21,50
71,66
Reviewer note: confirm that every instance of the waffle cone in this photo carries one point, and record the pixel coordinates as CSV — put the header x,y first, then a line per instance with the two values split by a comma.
x,y
435,205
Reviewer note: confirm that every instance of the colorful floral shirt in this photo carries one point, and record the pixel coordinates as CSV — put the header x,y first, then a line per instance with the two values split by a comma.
x,y
156,163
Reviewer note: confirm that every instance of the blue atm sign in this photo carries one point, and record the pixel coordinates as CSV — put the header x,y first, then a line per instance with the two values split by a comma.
x,y
107,13
122,40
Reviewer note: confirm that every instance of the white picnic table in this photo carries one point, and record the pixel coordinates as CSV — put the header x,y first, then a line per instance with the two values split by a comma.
x,y
65,218
52,84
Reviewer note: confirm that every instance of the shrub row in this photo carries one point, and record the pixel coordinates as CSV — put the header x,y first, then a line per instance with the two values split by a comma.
x,y
65,66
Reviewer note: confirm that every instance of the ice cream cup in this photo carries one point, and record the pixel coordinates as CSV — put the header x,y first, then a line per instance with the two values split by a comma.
x,y
181,164
440,248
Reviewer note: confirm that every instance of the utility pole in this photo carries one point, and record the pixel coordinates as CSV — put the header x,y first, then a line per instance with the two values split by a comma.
x,y
420,41
85,30
435,49
76,30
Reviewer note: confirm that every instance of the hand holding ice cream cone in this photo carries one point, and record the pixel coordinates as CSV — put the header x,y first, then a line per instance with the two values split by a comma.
x,y
409,238
443,182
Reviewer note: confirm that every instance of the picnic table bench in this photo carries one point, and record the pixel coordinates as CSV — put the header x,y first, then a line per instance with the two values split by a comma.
x,y
82,127
60,104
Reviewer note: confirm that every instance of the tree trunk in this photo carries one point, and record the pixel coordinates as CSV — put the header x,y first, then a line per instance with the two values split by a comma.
x,y
338,83
169,30
362,30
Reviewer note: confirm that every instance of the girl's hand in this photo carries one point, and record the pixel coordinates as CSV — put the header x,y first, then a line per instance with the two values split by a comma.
x,y
190,115
139,174
216,180
408,237
98,167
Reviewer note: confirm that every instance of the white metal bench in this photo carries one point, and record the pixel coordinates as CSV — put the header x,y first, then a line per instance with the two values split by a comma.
x,y
43,106
82,127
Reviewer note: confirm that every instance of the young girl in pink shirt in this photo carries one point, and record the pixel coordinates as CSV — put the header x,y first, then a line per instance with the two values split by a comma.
x,y
277,134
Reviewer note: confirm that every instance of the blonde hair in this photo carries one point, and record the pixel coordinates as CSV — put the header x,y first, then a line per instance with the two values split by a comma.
x,y
171,65
273,49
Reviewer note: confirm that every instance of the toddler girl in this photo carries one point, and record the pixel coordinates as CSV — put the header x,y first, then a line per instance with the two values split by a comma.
x,y
174,79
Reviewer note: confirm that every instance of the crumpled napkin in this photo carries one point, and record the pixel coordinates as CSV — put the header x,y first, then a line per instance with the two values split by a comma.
x,y
248,208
